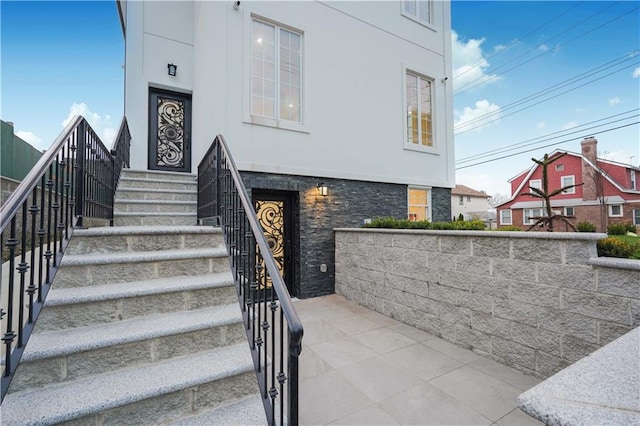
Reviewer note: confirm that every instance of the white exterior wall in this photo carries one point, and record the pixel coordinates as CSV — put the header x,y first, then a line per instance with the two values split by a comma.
x,y
353,72
477,204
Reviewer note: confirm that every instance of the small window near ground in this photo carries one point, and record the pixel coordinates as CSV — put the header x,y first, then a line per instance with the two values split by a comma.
x,y
530,215
418,204
615,210
568,181
505,217
569,211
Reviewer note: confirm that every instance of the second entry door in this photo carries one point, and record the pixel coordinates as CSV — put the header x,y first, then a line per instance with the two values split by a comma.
x,y
169,131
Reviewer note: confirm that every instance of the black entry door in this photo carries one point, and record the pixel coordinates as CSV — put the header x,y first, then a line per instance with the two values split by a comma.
x,y
169,131
276,214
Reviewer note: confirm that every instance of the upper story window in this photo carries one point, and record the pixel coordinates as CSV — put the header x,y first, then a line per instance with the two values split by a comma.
x,y
419,107
276,72
461,202
418,204
420,10
633,179
535,183
568,181
559,167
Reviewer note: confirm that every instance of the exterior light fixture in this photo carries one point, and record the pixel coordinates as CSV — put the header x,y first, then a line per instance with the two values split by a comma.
x,y
172,68
322,189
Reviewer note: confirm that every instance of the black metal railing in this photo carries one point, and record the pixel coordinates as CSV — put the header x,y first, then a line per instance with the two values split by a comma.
x,y
265,301
73,180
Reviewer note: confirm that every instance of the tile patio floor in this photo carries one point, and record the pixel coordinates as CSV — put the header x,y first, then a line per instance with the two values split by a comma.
x,y
359,367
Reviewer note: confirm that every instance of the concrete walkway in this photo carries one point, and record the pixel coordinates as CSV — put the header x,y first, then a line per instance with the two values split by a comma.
x,y
361,368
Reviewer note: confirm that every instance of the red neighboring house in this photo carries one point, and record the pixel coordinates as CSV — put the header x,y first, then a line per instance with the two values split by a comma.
x,y
609,192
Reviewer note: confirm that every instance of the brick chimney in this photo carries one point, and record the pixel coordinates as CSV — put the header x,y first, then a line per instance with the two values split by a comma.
x,y
590,152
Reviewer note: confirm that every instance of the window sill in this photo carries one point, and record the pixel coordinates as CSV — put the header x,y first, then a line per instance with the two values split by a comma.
x,y
421,148
417,20
278,124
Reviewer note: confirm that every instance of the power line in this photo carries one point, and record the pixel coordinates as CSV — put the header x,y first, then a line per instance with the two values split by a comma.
x,y
547,99
485,80
547,137
517,40
545,146
624,58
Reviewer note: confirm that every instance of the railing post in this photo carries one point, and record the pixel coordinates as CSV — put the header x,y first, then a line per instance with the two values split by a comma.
x,y
80,177
292,372
218,181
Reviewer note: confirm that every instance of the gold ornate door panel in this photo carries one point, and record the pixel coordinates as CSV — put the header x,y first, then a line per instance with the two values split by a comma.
x,y
169,131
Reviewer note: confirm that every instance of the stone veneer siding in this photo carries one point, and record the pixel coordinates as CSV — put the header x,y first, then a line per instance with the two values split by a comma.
x,y
347,204
440,204
534,301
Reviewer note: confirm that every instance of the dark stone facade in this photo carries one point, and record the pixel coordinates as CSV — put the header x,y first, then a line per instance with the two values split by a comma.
x,y
441,204
347,204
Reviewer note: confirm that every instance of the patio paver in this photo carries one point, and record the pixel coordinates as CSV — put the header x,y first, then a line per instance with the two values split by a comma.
x,y
360,368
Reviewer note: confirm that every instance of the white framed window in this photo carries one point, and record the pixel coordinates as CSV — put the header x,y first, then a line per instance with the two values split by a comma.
x,y
275,89
569,211
636,217
559,167
461,200
419,203
632,176
468,198
505,217
535,183
567,181
418,10
418,95
615,210
528,214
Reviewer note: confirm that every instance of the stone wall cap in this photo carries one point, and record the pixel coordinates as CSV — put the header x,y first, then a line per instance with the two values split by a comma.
x,y
578,236
612,262
601,388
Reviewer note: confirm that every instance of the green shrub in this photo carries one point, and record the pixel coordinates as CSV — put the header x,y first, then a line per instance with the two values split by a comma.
x,y
617,229
392,223
630,227
460,217
509,228
613,247
585,226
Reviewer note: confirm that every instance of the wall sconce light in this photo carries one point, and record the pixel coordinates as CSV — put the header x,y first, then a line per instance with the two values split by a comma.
x,y
322,189
172,68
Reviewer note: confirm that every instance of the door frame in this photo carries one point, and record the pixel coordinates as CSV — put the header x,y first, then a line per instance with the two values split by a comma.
x,y
152,144
291,231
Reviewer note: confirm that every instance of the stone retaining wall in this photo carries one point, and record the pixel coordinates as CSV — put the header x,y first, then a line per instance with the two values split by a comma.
x,y
534,301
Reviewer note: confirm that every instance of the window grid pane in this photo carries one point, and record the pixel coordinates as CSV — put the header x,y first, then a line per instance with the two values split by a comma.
x,y
263,69
290,87
418,204
412,108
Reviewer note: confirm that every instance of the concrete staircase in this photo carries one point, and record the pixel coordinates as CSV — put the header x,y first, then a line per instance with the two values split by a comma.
x,y
142,325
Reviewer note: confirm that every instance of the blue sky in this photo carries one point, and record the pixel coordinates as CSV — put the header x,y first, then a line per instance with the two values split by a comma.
x,y
65,58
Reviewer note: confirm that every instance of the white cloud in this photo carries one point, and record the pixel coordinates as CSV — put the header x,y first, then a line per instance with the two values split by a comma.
x,y
614,101
543,48
31,138
541,125
636,73
482,115
570,125
469,63
101,124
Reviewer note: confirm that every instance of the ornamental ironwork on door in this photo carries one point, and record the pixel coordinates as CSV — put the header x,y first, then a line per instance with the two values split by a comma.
x,y
276,213
169,131
271,216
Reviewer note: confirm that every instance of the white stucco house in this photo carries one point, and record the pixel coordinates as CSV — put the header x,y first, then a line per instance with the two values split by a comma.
x,y
469,202
352,96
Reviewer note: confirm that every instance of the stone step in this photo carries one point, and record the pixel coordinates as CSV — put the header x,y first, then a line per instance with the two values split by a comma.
x,y
143,238
156,194
248,411
154,206
108,303
157,174
182,185
91,269
72,354
155,219
162,392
